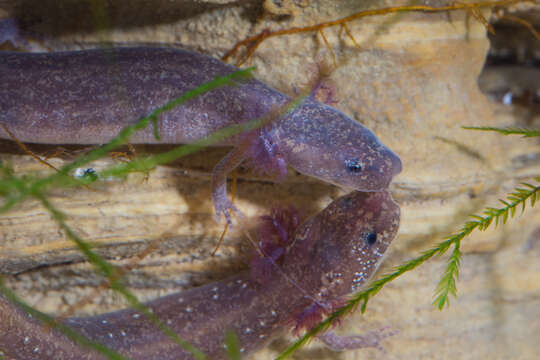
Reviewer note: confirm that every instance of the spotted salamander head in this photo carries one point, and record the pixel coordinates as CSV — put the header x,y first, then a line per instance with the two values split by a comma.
x,y
354,233
325,143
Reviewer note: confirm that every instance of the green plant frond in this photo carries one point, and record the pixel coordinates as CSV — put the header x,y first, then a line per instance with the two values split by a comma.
x,y
506,130
124,135
232,345
447,285
28,187
115,280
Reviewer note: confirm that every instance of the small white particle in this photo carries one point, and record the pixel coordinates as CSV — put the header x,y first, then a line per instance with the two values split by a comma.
x,y
215,297
273,313
242,350
36,349
244,286
103,321
262,323
248,331
261,336
110,335
169,321
122,332
507,99
215,288
26,340
188,309
136,316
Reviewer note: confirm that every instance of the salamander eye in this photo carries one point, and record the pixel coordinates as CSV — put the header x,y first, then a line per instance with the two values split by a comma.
x,y
371,238
353,165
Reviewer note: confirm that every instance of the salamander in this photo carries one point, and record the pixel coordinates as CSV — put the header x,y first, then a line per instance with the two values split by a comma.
x,y
316,265
87,97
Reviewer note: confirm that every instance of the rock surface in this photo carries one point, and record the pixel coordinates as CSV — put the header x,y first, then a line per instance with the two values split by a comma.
x,y
413,81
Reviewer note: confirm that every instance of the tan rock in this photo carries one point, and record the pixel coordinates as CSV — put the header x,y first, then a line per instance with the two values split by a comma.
x,y
413,81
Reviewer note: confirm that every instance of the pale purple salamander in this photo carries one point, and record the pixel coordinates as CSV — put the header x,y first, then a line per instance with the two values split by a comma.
x,y
328,257
87,97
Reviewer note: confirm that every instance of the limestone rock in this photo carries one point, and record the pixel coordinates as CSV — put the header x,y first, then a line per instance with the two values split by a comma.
x,y
412,80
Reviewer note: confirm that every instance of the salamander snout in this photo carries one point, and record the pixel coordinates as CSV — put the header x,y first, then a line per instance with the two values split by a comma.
x,y
367,171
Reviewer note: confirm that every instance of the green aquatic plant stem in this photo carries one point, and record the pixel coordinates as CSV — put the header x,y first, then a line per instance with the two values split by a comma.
x,y
63,178
52,322
506,131
115,279
232,345
447,285
123,137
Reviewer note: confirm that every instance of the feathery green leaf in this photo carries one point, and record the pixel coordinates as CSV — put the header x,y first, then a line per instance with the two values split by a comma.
x,y
447,285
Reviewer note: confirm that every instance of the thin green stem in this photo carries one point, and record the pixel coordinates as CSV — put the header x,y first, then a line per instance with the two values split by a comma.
x,y
124,135
506,131
115,280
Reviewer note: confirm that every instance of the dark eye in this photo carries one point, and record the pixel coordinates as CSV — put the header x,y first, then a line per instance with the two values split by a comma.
x,y
353,165
371,238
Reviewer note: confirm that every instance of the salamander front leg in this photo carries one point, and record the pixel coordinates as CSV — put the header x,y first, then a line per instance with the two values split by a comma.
x,y
371,339
222,204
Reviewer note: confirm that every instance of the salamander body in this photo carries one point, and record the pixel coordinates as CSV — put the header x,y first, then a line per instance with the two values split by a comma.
x,y
87,97
326,258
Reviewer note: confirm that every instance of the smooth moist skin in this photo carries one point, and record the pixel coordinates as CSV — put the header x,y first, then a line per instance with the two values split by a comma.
x,y
320,262
87,97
